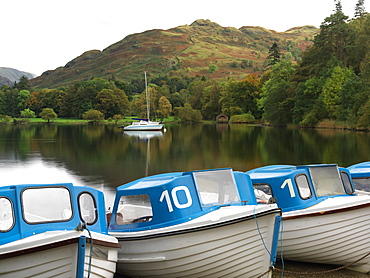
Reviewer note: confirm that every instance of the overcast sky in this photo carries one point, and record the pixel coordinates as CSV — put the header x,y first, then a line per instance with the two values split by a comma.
x,y
40,35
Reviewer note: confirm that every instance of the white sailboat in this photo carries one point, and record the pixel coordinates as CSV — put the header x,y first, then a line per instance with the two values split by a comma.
x,y
144,124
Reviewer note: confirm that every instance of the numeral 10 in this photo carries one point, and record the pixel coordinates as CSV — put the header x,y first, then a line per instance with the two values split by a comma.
x,y
166,196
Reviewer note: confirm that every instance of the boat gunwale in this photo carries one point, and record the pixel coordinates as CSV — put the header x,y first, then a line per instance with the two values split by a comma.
x,y
58,244
125,236
332,211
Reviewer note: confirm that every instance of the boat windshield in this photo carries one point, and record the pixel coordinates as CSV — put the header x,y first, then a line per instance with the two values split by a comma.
x,y
362,184
6,214
134,209
88,209
327,180
216,187
46,204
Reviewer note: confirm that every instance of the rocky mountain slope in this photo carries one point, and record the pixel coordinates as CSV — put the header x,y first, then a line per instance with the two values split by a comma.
x,y
8,76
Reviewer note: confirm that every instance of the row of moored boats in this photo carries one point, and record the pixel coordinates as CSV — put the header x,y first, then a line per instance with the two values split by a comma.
x,y
208,223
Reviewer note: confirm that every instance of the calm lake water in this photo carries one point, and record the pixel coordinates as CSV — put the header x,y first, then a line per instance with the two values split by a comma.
x,y
105,157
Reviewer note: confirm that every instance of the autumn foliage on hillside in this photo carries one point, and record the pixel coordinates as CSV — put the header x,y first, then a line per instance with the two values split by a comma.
x,y
203,48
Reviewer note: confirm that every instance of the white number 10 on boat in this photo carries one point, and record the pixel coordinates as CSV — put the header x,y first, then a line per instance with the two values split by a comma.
x,y
166,195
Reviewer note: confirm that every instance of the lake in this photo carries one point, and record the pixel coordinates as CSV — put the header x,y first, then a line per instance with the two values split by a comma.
x,y
105,157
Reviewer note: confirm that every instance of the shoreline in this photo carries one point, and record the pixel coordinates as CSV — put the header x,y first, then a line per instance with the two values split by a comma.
x,y
299,269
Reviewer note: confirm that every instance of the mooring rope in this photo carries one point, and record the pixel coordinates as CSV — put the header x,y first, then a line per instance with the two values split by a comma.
x,y
91,252
272,268
324,271
259,232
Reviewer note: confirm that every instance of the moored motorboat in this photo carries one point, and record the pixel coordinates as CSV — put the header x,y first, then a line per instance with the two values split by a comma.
x,y
324,220
194,224
55,230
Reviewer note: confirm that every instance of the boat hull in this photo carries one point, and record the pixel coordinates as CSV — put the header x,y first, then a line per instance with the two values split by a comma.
x,y
220,244
55,254
143,128
336,231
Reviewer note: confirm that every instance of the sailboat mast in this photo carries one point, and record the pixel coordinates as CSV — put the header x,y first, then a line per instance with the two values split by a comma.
x,y
147,97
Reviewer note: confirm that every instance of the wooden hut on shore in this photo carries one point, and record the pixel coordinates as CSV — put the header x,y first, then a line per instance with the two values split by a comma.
x,y
222,118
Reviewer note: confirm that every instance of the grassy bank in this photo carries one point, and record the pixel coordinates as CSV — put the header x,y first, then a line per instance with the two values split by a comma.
x,y
124,121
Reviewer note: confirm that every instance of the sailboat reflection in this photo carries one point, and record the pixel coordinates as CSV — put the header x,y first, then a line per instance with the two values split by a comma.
x,y
145,136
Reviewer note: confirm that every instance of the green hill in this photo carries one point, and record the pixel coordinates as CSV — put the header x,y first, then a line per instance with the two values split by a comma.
x,y
186,49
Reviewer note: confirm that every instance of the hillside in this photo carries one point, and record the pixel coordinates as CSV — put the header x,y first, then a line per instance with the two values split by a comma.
x,y
8,76
186,49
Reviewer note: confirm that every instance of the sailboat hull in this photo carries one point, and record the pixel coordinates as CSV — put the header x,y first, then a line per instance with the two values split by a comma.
x,y
144,126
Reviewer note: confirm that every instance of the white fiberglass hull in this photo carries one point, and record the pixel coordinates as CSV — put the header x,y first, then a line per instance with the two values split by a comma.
x,y
54,254
144,126
335,231
224,243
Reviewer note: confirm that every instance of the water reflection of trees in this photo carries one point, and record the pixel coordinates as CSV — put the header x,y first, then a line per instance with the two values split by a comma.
x,y
105,152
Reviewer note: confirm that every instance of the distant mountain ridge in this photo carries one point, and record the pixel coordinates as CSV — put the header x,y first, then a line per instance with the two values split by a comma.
x,y
8,76
186,49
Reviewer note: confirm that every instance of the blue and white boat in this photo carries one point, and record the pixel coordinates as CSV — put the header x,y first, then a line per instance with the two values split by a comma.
x,y
55,230
360,174
194,224
324,220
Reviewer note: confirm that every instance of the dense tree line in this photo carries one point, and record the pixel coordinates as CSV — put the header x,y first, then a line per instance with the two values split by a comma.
x,y
331,81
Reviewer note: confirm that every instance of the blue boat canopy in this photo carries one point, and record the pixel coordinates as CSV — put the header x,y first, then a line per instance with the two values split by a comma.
x,y
29,209
172,198
298,187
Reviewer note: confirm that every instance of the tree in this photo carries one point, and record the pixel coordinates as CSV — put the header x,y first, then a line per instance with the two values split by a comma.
x,y
111,102
189,115
176,100
164,107
23,84
23,96
117,117
94,116
11,100
364,115
195,93
27,113
278,100
338,6
212,68
211,106
3,104
360,9
274,55
241,94
352,98
307,94
335,38
48,114
83,96
330,91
